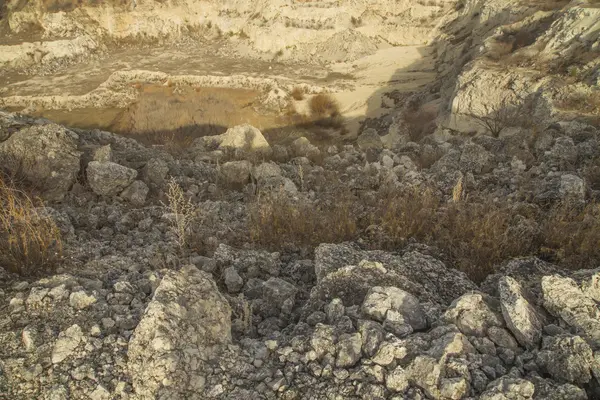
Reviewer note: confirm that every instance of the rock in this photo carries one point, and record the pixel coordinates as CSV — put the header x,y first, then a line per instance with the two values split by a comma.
x,y
421,272
265,171
348,350
502,337
81,300
563,298
507,388
186,324
369,139
100,393
372,335
397,380
276,292
66,344
233,280
155,171
472,314
244,138
303,148
236,172
450,344
136,193
334,311
567,358
474,158
108,178
523,320
46,155
102,153
379,301
425,372
454,388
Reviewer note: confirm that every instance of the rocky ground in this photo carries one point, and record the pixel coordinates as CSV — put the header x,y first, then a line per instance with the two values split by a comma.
x,y
129,314
444,245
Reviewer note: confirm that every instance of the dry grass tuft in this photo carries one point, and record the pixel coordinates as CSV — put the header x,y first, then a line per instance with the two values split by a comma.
x,y
324,106
276,220
30,241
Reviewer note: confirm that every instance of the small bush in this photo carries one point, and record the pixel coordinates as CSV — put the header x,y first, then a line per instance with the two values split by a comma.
x,y
297,93
324,106
420,123
183,211
30,241
494,119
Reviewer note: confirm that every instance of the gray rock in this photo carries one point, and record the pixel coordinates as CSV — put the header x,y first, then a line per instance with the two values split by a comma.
x,y
567,358
474,158
236,172
380,300
334,311
372,336
507,388
524,321
136,193
46,155
276,292
233,280
303,148
81,300
108,178
563,298
67,343
244,138
369,139
472,314
102,153
265,171
397,380
348,350
155,171
187,323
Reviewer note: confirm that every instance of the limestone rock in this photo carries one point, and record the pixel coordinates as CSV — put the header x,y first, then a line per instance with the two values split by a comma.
x,y
109,178
47,155
236,172
563,298
567,358
66,344
524,321
186,323
136,193
381,300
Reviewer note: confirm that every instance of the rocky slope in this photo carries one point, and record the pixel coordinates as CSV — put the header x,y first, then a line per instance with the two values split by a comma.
x,y
129,315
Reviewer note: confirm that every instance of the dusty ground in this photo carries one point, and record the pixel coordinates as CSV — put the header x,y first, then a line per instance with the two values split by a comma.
x,y
69,95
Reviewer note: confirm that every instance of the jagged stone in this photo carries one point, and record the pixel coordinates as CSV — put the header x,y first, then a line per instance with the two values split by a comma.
x,y
108,178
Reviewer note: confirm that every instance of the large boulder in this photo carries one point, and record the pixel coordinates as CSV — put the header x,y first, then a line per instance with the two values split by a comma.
x,y
108,178
244,138
47,155
563,298
381,301
567,358
185,325
522,318
236,172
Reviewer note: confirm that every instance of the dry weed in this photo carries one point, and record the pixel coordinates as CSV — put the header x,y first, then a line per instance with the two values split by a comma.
x,y
183,211
30,241
297,93
324,106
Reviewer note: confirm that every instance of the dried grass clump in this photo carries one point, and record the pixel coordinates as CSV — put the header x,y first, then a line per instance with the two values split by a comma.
x,y
276,220
324,106
30,241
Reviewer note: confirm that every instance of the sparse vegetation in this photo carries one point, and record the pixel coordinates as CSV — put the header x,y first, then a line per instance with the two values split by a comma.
x,y
420,123
30,241
323,105
475,232
496,118
182,210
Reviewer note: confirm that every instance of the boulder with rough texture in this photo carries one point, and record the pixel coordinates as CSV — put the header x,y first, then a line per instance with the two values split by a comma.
x,y
303,148
236,172
522,318
47,155
567,358
563,298
109,178
136,193
186,324
474,314
244,138
381,301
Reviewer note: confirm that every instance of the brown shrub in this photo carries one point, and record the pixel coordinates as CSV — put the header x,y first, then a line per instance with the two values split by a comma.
x,y
30,241
297,93
276,220
324,106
